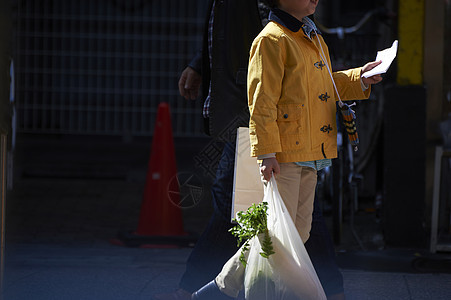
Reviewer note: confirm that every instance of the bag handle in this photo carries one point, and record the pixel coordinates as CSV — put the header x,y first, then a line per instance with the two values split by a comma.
x,y
347,112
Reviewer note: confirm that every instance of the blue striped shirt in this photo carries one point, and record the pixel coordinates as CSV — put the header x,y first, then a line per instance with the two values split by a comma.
x,y
317,164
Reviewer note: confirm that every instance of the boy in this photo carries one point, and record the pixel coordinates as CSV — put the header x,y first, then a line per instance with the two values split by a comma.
x,y
292,104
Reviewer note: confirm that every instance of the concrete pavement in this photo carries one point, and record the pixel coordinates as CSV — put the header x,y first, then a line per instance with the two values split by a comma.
x,y
67,204
100,271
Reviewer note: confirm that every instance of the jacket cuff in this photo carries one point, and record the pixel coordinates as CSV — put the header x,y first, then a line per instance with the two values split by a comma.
x,y
196,62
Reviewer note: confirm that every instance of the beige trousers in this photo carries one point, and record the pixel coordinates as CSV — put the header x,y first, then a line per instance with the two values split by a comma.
x,y
296,186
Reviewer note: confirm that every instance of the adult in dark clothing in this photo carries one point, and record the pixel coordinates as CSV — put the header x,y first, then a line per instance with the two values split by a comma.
x,y
221,69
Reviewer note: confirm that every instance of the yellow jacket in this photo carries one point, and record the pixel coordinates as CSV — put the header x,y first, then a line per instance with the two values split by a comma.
x,y
291,96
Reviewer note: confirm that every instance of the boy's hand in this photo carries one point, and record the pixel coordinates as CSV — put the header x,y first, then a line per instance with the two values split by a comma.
x,y
373,79
269,166
189,83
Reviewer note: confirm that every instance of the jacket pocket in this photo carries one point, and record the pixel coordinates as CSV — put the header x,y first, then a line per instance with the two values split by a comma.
x,y
289,112
289,120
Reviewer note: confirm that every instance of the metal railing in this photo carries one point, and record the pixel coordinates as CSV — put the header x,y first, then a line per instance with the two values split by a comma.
x,y
102,67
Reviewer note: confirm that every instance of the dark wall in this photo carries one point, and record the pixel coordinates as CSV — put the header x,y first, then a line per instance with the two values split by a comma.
x,y
404,165
5,53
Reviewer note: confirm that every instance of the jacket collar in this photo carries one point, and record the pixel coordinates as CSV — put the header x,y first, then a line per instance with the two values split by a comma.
x,y
290,22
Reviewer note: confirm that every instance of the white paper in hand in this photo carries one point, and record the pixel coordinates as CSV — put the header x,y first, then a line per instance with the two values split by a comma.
x,y
386,56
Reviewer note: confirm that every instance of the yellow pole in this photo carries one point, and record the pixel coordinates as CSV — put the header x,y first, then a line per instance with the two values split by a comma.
x,y
410,51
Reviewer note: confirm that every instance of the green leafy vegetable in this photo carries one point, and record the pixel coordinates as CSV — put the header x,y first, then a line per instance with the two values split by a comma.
x,y
251,223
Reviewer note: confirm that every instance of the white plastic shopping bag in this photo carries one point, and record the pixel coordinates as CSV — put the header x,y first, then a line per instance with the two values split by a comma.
x,y
288,274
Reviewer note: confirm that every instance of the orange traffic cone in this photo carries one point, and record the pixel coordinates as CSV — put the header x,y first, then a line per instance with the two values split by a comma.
x,y
161,215
160,222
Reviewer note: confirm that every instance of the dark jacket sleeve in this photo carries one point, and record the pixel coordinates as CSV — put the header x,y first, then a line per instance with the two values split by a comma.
x,y
196,62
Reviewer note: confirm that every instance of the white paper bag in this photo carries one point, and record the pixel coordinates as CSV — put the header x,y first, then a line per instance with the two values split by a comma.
x,y
247,184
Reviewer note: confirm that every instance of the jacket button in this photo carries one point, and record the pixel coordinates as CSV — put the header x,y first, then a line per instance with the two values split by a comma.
x,y
319,64
297,142
324,97
285,116
326,128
